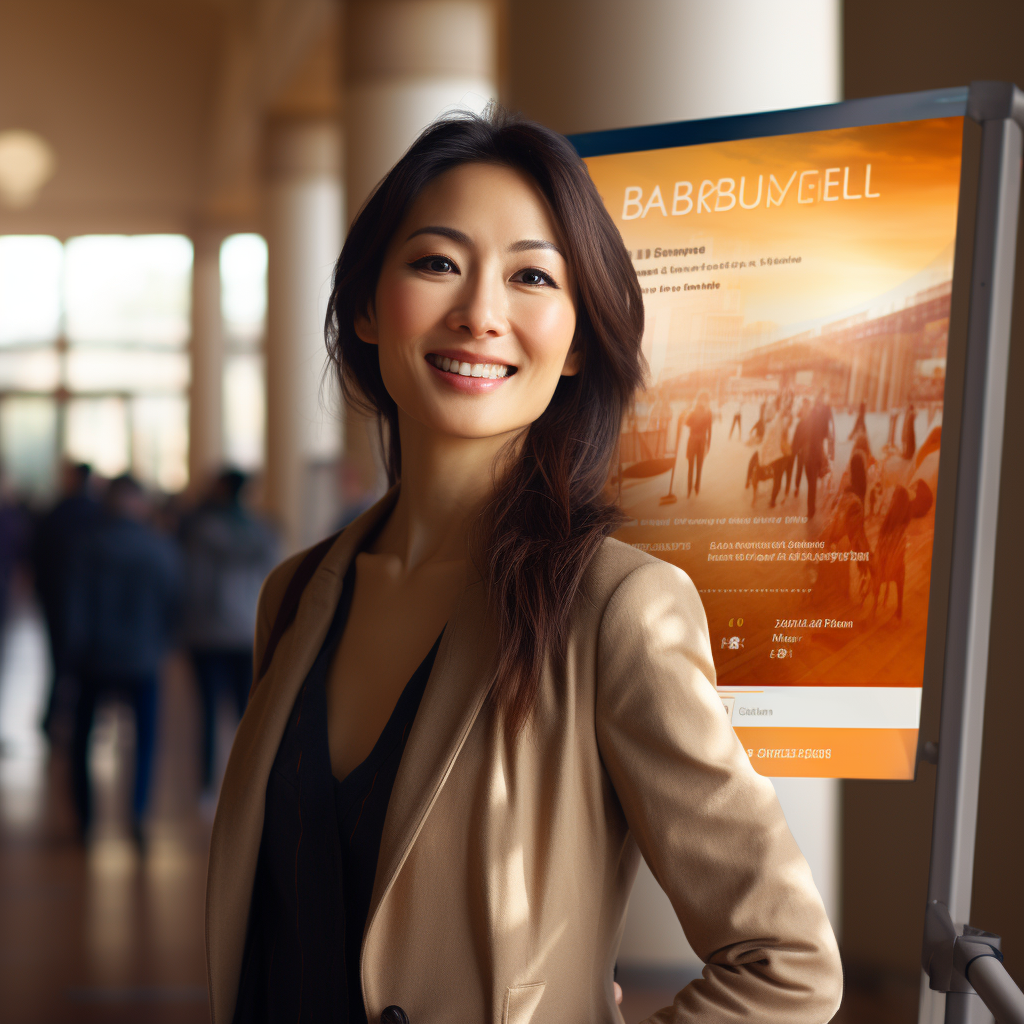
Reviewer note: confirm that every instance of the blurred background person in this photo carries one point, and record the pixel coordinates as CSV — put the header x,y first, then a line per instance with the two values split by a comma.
x,y
775,452
819,447
14,532
798,444
124,597
227,554
737,422
859,424
698,444
57,541
909,435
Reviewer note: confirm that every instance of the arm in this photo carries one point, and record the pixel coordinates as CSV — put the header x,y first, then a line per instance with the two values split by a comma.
x,y
710,828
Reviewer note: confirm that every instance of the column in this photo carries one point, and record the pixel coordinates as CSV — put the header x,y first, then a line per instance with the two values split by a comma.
x,y
406,62
304,235
586,65
205,434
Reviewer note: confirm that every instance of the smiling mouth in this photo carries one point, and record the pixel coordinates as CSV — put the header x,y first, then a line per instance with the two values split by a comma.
x,y
489,371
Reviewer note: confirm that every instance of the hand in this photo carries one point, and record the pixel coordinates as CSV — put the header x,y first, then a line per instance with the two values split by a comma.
x,y
618,993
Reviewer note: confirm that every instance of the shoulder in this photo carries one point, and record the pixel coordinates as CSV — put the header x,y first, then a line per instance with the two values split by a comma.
x,y
622,580
646,621
275,586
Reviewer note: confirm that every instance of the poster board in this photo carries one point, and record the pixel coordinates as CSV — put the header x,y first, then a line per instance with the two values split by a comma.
x,y
797,271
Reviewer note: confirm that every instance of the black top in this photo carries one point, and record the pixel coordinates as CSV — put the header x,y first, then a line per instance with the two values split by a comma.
x,y
318,857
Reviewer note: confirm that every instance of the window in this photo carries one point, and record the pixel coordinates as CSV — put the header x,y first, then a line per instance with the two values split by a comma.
x,y
243,282
93,357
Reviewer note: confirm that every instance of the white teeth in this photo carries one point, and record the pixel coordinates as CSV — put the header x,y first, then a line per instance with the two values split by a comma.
x,y
489,371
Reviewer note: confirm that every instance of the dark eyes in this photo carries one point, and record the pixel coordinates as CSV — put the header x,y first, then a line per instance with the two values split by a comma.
x,y
442,265
533,276
435,265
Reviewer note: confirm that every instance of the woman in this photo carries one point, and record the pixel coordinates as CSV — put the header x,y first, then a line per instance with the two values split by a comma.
x,y
483,709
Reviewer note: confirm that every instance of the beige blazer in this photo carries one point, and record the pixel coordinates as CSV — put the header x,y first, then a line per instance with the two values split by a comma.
x,y
505,868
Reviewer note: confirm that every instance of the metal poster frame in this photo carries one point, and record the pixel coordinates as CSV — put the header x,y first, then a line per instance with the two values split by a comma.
x,y
955,956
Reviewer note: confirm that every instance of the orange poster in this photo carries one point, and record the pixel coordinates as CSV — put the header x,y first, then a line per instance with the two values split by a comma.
x,y
785,453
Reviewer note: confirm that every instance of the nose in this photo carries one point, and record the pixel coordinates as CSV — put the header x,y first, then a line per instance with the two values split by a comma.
x,y
394,1015
482,309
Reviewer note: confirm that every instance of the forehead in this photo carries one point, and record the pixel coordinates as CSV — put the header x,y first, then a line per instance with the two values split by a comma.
x,y
483,200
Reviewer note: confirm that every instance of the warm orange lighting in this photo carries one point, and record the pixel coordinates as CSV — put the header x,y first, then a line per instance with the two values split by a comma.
x,y
27,162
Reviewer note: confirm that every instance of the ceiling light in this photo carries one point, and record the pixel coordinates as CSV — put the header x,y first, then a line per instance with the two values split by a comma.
x,y
27,162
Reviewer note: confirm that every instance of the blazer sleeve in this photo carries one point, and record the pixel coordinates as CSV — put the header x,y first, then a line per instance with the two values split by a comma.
x,y
710,828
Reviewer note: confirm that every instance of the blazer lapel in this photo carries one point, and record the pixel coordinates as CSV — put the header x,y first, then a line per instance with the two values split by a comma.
x,y
238,826
272,700
455,693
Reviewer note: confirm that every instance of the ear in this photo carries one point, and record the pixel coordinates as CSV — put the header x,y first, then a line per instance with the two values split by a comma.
x,y
366,327
571,366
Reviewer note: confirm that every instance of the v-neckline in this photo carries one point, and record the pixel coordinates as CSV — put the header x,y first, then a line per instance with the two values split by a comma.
x,y
386,742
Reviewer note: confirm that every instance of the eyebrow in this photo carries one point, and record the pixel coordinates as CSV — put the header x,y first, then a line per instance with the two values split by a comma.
x,y
523,245
456,236
526,244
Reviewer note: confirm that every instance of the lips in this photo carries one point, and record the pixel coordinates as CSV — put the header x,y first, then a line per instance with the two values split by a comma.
x,y
467,368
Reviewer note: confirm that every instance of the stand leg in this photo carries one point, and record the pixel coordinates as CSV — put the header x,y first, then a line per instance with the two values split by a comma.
x,y
932,1004
966,1008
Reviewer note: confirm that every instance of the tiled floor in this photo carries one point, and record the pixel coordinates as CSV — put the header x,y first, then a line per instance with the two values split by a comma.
x,y
105,936
99,935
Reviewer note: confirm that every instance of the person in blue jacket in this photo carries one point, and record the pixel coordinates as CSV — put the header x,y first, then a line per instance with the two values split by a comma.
x,y
123,607
228,552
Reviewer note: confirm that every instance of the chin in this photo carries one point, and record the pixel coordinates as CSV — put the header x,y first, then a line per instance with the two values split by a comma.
x,y
475,430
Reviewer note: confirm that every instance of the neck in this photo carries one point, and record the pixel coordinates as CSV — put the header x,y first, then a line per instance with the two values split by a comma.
x,y
446,481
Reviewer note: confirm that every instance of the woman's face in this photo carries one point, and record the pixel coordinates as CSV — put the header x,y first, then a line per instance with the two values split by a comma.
x,y
473,315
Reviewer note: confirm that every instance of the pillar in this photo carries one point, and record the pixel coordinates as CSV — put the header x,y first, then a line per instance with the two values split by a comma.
x,y
406,62
205,412
304,220
587,65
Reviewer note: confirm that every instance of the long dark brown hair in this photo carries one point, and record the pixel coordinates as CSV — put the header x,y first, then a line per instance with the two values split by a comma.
x,y
549,513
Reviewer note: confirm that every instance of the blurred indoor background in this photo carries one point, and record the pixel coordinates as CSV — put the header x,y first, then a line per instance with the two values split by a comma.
x,y
176,179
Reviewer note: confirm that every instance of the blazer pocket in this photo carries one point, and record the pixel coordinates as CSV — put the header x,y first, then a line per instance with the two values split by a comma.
x,y
521,1001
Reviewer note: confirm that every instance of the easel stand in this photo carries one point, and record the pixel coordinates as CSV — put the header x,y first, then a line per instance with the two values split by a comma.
x,y
965,981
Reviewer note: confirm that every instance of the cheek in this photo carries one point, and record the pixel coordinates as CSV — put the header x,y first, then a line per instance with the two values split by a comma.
x,y
404,311
549,331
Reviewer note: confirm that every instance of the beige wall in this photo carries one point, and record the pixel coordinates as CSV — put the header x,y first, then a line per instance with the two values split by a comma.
x,y
121,90
586,65
901,47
